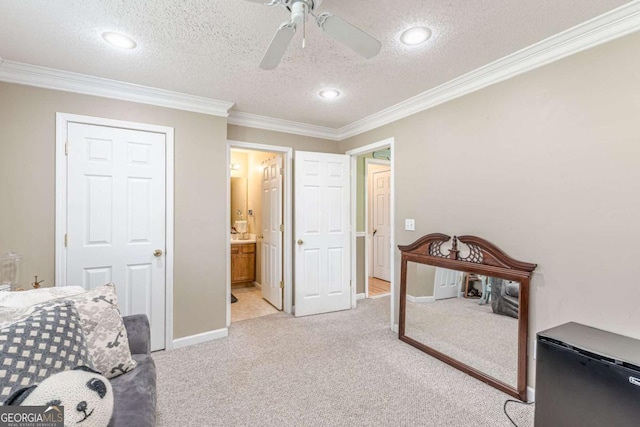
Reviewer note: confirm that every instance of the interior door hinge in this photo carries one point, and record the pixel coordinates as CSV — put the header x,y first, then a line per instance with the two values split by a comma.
x,y
350,284
281,171
281,227
66,148
65,240
281,284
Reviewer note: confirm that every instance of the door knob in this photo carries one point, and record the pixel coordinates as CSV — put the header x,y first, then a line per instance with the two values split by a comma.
x,y
261,236
300,241
157,253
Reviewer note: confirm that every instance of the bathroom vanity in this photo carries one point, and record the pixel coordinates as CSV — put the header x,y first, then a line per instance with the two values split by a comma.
x,y
243,261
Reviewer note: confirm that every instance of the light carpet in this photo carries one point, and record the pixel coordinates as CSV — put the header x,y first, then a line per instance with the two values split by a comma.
x,y
339,369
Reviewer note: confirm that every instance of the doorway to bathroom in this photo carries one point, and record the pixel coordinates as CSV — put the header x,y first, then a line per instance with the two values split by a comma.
x,y
258,215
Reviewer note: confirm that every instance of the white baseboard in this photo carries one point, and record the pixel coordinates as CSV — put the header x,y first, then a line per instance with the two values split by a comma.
x,y
380,296
257,285
360,296
420,299
531,394
200,338
395,328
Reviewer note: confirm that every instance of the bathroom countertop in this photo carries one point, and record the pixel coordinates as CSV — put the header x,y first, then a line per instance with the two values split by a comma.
x,y
251,239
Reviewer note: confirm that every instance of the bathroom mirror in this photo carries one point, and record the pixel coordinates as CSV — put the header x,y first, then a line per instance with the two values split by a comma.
x,y
464,301
238,199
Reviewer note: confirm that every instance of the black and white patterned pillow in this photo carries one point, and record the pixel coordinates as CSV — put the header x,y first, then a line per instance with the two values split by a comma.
x,y
48,341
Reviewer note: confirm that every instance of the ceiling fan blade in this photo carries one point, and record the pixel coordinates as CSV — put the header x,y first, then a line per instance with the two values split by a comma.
x,y
347,34
278,46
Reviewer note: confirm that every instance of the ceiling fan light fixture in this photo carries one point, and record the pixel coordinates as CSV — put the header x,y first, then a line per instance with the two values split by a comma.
x,y
415,36
329,93
119,40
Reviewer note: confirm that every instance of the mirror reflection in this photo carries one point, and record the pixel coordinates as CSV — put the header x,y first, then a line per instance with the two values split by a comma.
x,y
238,199
469,317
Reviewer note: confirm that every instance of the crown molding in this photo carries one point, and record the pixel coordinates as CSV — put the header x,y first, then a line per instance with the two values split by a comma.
x,y
614,24
280,125
49,78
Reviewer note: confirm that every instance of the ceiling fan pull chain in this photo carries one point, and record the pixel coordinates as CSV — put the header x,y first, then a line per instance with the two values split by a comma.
x,y
304,27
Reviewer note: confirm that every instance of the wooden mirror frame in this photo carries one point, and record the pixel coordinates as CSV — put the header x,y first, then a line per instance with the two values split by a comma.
x,y
485,259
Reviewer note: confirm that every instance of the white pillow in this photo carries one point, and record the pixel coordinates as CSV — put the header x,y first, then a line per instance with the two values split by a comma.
x,y
20,299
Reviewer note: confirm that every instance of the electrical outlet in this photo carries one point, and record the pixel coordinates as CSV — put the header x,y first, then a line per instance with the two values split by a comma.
x,y
410,224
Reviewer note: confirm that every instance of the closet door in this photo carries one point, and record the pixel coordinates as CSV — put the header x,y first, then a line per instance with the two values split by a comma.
x,y
116,217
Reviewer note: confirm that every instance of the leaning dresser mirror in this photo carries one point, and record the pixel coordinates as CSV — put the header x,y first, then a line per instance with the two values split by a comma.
x,y
464,301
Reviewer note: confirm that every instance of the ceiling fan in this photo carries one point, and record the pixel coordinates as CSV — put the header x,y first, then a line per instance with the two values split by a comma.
x,y
336,27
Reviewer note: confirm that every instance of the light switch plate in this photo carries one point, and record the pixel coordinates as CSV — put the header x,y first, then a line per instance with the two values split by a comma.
x,y
410,224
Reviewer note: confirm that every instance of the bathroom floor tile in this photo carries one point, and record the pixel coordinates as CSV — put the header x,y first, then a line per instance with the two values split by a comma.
x,y
250,304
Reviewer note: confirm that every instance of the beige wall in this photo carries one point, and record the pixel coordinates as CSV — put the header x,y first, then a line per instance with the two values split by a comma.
x,y
27,192
547,166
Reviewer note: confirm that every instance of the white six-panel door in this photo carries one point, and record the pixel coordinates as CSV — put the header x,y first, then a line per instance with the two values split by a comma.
x,y
447,283
116,217
381,180
322,233
271,253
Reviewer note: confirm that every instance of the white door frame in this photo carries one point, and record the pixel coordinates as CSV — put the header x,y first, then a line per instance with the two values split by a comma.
x,y
62,121
287,239
354,155
367,238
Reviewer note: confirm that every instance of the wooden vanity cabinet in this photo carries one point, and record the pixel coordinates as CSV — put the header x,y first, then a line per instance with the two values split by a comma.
x,y
243,263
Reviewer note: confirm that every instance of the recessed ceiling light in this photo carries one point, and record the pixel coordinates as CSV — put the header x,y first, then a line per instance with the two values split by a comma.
x,y
119,40
415,36
329,93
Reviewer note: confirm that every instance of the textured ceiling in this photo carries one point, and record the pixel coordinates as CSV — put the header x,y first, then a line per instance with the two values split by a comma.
x,y
212,48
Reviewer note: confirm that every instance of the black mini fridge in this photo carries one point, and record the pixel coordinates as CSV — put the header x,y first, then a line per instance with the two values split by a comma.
x,y
586,377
